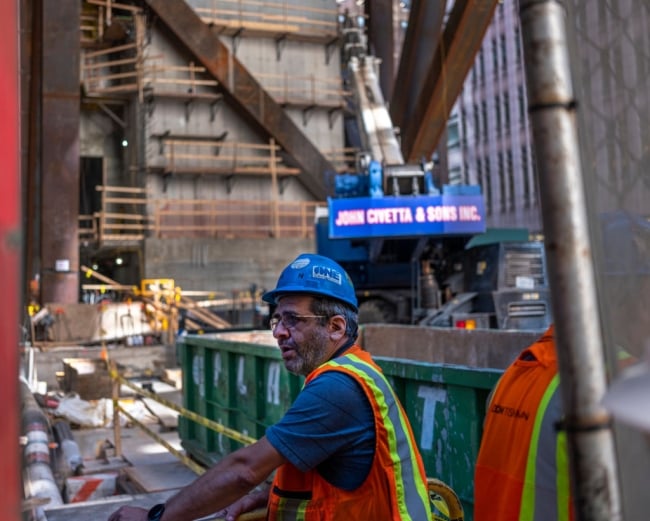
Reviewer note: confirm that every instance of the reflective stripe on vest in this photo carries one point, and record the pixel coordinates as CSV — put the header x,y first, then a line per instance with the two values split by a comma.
x,y
412,495
295,513
546,440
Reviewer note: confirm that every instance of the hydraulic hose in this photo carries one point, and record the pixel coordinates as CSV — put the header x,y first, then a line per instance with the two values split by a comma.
x,y
454,507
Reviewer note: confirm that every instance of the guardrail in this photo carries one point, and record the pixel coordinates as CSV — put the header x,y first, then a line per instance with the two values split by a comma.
x,y
219,428
128,214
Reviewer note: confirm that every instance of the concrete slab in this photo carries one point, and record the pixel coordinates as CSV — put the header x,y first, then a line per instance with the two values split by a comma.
x,y
135,360
158,477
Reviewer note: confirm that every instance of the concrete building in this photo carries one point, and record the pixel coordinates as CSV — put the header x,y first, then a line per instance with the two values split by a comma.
x,y
185,172
489,139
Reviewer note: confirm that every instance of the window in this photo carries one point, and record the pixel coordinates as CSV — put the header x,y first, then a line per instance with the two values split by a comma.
x,y
480,177
518,47
488,187
497,112
453,139
511,180
477,124
521,100
506,112
525,175
463,128
484,117
504,52
502,183
535,176
455,175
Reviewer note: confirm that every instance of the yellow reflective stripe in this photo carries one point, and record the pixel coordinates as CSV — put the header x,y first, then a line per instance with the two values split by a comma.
x,y
416,478
527,508
390,428
295,513
562,482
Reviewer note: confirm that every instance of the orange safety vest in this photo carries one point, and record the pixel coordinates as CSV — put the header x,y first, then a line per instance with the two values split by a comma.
x,y
522,468
395,489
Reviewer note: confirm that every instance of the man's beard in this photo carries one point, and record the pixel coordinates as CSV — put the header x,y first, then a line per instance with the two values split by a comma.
x,y
309,354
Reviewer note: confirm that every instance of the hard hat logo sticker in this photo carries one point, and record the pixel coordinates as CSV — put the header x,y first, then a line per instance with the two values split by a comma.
x,y
300,264
321,272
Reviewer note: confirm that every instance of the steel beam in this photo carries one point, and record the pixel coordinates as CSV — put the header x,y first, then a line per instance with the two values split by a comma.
x,y
420,41
10,504
60,153
244,93
461,39
381,41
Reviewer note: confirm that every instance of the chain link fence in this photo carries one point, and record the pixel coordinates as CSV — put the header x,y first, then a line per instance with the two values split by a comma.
x,y
611,67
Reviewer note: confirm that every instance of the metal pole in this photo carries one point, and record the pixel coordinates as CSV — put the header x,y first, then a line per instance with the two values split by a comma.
x,y
115,395
10,249
581,361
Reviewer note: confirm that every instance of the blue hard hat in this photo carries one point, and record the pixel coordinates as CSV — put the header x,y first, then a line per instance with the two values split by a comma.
x,y
314,275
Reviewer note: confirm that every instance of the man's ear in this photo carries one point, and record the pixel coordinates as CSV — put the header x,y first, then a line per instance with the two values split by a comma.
x,y
337,327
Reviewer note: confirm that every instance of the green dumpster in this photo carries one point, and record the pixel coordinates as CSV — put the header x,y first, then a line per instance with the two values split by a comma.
x,y
239,379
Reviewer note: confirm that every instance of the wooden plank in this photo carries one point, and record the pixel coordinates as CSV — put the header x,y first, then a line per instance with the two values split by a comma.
x,y
159,477
167,417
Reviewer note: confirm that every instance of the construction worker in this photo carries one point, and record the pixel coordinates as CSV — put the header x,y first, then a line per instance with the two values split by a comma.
x,y
522,469
522,466
343,451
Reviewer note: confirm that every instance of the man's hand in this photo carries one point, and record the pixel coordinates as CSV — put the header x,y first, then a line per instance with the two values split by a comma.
x,y
129,514
247,503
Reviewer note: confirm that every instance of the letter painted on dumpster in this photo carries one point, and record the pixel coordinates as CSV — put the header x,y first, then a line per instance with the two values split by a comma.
x,y
197,374
273,384
241,381
431,396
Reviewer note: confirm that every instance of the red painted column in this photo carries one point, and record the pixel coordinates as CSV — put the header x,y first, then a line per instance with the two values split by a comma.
x,y
9,255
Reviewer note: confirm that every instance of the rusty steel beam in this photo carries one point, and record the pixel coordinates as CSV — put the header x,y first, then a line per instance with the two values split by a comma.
x,y
31,13
381,41
421,39
244,92
60,153
454,56
10,209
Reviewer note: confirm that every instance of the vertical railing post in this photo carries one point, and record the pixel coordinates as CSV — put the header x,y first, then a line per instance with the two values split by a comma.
x,y
581,362
115,392
275,220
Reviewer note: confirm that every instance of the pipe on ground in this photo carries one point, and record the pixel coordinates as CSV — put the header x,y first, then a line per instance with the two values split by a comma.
x,y
38,478
68,448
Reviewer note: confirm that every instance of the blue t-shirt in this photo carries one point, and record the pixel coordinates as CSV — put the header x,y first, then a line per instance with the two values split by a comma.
x,y
329,428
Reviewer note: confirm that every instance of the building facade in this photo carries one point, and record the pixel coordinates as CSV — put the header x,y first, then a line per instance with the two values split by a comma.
x,y
488,135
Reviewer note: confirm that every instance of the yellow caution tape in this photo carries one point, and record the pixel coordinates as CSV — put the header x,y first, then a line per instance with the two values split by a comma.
x,y
197,418
187,461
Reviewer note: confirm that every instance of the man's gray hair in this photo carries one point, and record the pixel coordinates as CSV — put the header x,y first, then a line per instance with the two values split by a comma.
x,y
330,307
